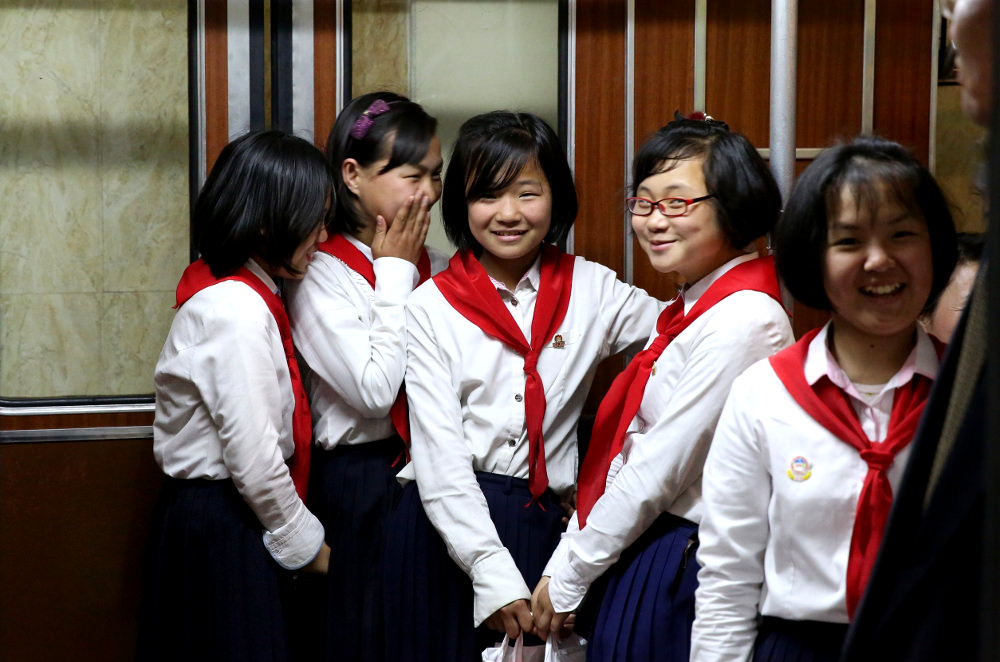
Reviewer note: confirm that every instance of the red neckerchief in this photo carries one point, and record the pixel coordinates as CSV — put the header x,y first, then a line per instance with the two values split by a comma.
x,y
620,405
830,407
197,277
341,248
468,288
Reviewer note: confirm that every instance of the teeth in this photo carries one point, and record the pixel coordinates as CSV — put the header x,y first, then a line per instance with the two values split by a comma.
x,y
882,289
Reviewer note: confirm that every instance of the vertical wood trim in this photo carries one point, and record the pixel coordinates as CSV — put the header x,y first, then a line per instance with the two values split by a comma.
x,y
216,82
325,68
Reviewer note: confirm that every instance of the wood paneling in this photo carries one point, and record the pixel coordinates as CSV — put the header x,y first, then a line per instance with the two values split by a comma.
x,y
903,73
75,518
325,68
216,82
48,422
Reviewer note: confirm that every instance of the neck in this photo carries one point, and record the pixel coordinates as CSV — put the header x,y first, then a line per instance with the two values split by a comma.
x,y
867,359
366,233
508,272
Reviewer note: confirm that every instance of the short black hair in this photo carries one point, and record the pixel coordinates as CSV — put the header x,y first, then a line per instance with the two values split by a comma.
x,y
490,152
406,126
266,194
970,246
868,167
746,199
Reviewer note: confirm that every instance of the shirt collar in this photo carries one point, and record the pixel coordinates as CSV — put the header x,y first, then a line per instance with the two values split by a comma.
x,y
692,293
259,272
365,249
923,360
531,277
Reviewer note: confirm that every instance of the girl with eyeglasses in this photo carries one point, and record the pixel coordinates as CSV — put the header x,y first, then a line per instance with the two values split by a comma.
x,y
502,348
701,196
349,325
813,442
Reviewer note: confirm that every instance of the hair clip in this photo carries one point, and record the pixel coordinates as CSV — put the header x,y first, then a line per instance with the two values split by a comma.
x,y
700,116
364,123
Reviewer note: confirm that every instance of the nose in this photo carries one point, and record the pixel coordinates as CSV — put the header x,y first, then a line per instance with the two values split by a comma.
x,y
431,188
507,209
877,258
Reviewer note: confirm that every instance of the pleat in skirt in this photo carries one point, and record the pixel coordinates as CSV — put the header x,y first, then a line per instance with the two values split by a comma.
x,y
429,599
211,590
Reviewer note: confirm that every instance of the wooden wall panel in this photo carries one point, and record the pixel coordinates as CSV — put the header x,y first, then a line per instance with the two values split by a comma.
x,y
903,73
75,518
325,68
737,85
216,82
664,83
829,75
600,130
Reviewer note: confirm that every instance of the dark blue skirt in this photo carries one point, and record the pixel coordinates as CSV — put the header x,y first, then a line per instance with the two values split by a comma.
x,y
352,490
429,599
780,640
647,607
211,590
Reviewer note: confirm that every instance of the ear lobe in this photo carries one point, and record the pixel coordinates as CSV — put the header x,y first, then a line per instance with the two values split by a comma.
x,y
350,171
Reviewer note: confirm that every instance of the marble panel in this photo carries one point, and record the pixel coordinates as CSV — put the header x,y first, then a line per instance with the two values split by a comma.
x,y
961,151
133,328
49,345
380,46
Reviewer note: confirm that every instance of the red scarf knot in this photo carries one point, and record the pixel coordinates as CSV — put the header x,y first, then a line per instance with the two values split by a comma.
x,y
877,458
622,401
531,363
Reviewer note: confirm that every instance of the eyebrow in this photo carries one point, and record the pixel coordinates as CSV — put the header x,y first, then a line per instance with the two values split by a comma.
x,y
673,188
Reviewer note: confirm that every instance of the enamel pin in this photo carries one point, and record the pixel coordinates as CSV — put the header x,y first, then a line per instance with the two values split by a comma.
x,y
800,469
558,342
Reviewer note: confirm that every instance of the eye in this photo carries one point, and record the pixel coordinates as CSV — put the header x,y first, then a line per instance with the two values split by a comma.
x,y
845,242
436,175
675,204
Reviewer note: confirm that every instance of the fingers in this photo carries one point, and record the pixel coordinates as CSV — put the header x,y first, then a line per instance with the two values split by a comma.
x,y
541,607
404,237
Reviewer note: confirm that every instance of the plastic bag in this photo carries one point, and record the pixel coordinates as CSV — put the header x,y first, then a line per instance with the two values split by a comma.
x,y
571,649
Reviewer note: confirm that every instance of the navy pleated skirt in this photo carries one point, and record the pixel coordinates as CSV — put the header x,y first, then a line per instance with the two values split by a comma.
x,y
429,599
352,489
780,640
647,607
211,590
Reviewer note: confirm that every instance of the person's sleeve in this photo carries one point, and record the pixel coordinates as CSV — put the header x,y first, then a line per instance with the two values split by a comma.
x,y
667,459
237,378
361,356
733,534
443,464
628,313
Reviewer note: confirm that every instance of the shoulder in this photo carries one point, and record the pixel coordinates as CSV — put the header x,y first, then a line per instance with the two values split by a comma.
x,y
230,304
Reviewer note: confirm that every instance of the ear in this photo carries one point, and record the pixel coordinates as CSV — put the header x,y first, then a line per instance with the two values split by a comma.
x,y
351,172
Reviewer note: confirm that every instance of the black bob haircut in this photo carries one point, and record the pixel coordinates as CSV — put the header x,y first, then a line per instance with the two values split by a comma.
x,y
491,150
406,128
746,199
871,168
266,194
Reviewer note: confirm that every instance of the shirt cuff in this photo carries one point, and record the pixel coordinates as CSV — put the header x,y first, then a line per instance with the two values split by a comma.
x,y
296,543
566,586
497,582
395,278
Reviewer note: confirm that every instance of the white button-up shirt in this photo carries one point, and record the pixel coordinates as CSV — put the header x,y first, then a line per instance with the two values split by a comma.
x,y
659,468
352,340
466,397
224,407
774,539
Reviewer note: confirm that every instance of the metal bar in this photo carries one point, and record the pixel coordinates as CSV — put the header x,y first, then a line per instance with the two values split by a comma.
x,y
784,19
568,98
700,53
868,70
629,257
75,434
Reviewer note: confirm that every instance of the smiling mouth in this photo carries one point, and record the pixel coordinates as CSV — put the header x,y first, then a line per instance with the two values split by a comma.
x,y
882,290
509,233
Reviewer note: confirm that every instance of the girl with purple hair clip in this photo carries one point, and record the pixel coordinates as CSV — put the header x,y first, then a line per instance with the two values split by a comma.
x,y
350,329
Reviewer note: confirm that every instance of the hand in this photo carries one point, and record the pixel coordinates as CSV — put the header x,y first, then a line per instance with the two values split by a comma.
x,y
405,237
320,563
547,621
512,619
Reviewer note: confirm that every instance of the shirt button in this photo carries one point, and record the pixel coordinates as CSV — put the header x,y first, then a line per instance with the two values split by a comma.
x,y
513,301
518,397
512,442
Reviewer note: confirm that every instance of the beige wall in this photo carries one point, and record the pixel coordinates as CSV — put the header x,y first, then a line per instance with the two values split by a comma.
x,y
960,154
94,193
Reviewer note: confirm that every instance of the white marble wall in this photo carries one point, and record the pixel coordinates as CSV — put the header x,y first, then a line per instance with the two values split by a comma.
x,y
94,208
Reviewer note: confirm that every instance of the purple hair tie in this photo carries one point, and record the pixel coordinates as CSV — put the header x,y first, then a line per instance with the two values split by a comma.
x,y
364,123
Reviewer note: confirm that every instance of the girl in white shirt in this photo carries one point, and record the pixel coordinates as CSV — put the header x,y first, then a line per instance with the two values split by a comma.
x,y
231,411
502,350
812,442
701,197
349,326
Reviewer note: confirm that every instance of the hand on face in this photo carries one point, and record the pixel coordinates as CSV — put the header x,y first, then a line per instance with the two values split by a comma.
x,y
405,237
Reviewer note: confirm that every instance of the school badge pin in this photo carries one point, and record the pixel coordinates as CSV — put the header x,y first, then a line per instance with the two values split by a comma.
x,y
558,342
800,469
